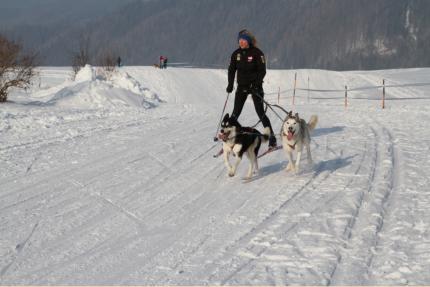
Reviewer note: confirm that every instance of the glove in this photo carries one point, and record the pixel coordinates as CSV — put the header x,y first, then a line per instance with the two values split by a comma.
x,y
229,88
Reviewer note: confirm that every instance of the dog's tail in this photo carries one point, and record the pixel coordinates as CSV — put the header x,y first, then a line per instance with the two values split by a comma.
x,y
266,134
313,122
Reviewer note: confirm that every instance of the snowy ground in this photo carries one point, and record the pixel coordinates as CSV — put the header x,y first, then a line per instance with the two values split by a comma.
x,y
113,182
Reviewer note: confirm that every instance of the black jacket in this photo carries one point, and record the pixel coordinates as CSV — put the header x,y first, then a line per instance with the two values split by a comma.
x,y
250,65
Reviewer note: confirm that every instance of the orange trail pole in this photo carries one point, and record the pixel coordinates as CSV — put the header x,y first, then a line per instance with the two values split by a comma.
x,y
295,84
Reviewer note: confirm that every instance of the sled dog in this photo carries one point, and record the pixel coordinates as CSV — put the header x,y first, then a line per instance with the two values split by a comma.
x,y
238,140
295,135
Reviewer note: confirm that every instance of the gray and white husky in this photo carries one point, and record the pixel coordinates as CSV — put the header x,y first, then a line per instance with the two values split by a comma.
x,y
238,140
296,134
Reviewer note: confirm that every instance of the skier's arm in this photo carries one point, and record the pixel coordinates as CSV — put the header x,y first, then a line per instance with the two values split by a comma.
x,y
261,67
232,69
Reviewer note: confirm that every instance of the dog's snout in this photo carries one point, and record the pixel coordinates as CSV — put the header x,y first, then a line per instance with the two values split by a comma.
x,y
290,128
222,131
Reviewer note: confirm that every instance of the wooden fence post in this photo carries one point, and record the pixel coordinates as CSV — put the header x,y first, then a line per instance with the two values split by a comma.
x,y
308,89
383,93
346,97
279,93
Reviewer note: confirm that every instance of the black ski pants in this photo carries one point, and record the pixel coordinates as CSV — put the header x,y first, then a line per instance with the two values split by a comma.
x,y
257,96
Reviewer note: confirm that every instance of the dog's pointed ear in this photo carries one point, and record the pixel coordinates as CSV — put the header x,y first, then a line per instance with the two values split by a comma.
x,y
290,114
226,117
297,116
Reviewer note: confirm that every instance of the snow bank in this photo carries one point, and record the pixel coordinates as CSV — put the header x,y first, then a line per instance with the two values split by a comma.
x,y
86,74
92,90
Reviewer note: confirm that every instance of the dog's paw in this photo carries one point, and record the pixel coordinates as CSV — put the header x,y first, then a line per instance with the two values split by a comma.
x,y
231,173
290,167
252,174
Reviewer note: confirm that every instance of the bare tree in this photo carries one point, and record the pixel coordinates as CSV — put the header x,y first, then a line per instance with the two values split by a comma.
x,y
81,57
107,61
16,68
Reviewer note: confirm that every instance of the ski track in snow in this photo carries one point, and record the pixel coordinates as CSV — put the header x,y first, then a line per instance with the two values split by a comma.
x,y
133,195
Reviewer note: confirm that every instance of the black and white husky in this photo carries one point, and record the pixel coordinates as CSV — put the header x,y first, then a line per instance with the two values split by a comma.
x,y
238,140
296,134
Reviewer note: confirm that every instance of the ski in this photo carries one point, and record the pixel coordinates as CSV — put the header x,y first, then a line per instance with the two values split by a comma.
x,y
270,150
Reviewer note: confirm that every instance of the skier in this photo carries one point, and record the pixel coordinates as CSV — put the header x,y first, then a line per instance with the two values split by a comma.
x,y
119,62
161,62
165,63
249,62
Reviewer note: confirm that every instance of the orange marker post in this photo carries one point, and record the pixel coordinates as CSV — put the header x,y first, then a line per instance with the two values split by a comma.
x,y
295,84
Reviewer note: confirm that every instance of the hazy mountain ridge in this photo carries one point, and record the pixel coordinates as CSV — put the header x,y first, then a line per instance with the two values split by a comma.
x,y
330,34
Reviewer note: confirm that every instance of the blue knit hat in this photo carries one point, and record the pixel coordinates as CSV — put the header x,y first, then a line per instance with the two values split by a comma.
x,y
245,36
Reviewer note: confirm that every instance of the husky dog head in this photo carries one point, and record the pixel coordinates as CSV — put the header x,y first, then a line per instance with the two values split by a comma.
x,y
229,128
291,126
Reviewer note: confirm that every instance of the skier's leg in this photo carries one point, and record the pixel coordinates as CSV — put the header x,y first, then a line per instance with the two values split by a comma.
x,y
257,97
239,101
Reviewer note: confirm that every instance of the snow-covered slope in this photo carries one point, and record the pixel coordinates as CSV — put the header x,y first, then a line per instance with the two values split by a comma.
x,y
113,182
91,90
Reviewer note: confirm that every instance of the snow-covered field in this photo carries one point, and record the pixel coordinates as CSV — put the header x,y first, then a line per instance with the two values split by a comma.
x,y
113,182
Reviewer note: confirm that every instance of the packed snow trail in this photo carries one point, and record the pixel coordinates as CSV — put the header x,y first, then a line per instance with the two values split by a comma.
x,y
97,193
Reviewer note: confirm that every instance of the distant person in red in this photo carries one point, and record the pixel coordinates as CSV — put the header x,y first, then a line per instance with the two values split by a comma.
x,y
161,62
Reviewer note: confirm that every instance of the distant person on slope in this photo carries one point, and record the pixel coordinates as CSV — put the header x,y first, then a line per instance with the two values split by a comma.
x,y
250,64
161,62
119,62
